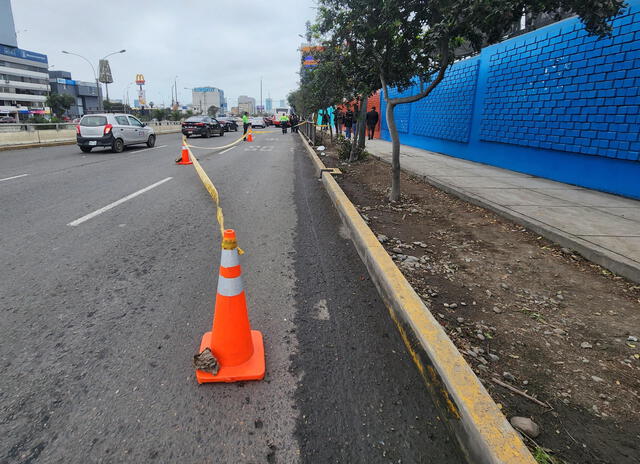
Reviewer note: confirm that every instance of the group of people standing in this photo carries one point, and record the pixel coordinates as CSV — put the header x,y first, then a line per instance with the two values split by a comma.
x,y
284,120
350,121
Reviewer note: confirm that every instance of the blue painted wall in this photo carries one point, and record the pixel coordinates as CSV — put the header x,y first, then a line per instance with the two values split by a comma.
x,y
555,103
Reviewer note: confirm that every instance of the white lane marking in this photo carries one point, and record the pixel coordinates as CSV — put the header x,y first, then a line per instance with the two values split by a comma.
x,y
145,149
116,203
14,177
224,151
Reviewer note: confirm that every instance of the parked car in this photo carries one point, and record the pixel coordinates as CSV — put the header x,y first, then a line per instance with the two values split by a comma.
x,y
112,130
7,119
229,124
267,121
257,122
203,126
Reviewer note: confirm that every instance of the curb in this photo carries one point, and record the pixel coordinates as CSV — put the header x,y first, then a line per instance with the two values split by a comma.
x,y
615,262
36,145
483,433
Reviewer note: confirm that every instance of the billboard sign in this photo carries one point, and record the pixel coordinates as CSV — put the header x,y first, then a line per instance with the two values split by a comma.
x,y
139,79
142,98
105,72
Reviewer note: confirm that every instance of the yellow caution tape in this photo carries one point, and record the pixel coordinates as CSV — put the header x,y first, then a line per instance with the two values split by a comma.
x,y
210,188
214,148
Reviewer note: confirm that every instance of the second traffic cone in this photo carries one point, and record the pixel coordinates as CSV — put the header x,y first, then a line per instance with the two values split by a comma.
x,y
249,136
185,156
237,350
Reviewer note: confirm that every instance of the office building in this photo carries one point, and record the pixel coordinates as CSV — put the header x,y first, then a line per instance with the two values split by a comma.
x,y
202,98
24,78
86,94
269,105
283,103
247,104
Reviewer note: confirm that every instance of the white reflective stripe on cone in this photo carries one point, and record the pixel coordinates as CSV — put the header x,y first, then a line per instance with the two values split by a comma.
x,y
230,287
229,258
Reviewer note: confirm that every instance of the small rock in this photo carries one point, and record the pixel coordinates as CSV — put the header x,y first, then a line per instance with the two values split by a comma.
x,y
631,338
497,310
559,332
480,336
586,345
383,238
595,378
460,320
413,210
397,250
453,306
526,426
508,376
504,286
494,357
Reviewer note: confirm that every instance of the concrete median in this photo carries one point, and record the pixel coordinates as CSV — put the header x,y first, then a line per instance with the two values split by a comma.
x,y
31,137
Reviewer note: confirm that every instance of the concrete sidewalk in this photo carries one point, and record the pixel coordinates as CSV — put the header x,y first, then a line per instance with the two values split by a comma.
x,y
601,227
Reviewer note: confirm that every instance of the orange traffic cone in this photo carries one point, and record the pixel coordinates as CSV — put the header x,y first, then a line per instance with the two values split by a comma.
x,y
249,136
238,351
185,156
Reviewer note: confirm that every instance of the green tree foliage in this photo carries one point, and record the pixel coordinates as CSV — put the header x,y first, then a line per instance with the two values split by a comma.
x,y
213,111
408,43
60,103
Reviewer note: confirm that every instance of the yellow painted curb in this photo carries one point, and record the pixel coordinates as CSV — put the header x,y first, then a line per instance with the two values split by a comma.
x,y
483,433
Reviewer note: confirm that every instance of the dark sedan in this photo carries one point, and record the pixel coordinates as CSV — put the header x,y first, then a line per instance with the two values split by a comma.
x,y
229,124
203,126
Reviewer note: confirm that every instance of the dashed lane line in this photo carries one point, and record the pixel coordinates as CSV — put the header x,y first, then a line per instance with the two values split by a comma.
x,y
224,151
146,149
13,177
116,203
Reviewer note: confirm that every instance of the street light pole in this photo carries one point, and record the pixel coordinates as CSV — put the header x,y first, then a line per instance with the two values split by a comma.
x,y
261,109
100,108
95,75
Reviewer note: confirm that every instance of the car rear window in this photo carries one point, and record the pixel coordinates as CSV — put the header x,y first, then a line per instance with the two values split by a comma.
x,y
93,121
196,119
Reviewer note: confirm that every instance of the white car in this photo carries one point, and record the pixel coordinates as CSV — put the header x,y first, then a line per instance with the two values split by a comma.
x,y
257,122
115,131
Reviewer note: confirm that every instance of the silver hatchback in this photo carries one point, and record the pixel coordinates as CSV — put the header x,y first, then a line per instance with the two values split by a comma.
x,y
115,131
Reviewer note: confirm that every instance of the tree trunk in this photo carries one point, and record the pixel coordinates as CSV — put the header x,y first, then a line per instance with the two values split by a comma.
x,y
394,195
362,128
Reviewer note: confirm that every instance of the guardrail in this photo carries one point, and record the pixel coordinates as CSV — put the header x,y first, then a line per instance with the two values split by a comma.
x,y
16,134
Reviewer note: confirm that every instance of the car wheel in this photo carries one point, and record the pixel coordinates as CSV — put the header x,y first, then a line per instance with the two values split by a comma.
x,y
86,149
151,141
236,129
221,132
117,146
188,135
206,134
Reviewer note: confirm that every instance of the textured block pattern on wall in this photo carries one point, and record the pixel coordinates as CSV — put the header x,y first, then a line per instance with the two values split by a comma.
x,y
567,91
447,112
402,113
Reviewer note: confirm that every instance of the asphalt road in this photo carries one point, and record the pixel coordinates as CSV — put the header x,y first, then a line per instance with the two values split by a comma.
x,y
100,320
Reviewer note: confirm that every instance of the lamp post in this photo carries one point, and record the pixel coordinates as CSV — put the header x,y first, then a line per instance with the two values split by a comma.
x,y
100,108
100,105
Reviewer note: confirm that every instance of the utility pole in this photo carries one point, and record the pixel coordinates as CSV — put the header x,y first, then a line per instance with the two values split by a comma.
x,y
261,108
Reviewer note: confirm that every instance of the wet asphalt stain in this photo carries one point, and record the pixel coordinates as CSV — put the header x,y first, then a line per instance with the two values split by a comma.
x,y
359,396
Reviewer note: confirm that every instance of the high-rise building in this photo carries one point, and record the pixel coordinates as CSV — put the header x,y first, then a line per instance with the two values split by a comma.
x,y
283,103
86,94
269,104
24,78
202,98
247,104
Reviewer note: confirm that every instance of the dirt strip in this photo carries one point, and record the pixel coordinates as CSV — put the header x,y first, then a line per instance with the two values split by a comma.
x,y
553,337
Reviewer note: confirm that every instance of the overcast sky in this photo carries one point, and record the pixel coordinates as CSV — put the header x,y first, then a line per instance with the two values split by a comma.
x,y
227,44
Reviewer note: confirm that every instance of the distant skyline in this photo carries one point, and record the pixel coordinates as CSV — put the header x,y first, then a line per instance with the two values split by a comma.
x,y
166,38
